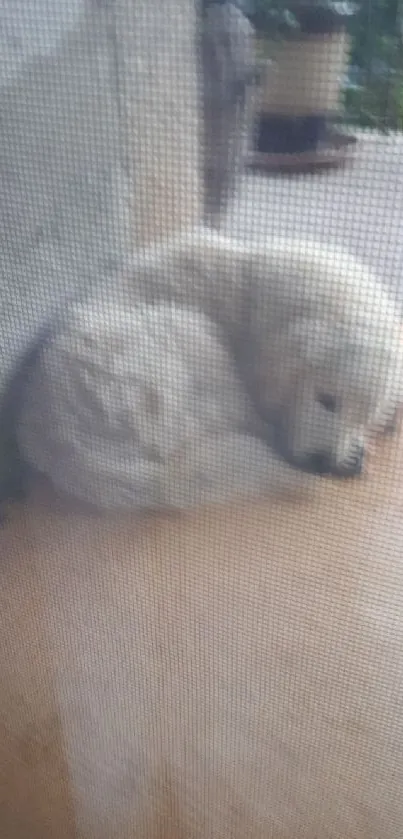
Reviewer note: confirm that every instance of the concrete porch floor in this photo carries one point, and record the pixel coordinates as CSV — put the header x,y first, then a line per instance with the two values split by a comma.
x,y
359,207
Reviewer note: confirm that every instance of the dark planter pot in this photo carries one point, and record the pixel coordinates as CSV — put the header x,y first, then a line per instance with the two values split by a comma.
x,y
279,134
301,92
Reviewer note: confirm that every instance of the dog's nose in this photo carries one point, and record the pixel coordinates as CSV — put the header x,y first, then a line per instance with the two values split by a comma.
x,y
320,463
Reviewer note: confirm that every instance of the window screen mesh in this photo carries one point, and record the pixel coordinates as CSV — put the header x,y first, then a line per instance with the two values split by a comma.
x,y
201,574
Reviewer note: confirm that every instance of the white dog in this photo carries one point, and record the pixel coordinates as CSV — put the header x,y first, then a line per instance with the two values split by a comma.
x,y
168,391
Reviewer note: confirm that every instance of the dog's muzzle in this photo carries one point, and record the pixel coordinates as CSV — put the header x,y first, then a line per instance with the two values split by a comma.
x,y
321,463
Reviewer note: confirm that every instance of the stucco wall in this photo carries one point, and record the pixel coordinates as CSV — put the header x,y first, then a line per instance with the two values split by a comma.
x,y
98,139
159,98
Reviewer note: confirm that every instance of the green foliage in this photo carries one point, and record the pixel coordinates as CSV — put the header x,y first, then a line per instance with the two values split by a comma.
x,y
376,105
373,26
377,51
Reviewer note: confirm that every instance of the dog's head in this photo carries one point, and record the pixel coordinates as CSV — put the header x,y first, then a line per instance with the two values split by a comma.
x,y
326,388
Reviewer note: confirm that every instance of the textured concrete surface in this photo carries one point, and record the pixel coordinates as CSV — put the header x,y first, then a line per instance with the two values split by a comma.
x,y
360,207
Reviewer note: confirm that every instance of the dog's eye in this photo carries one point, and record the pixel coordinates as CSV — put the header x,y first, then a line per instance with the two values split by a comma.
x,y
328,402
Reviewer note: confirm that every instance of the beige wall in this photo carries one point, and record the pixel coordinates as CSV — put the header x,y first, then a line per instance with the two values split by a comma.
x,y
159,98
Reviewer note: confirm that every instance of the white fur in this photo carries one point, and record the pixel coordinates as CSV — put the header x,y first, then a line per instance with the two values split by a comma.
x,y
143,408
139,401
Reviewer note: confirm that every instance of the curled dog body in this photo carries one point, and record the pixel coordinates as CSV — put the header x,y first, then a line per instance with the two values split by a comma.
x,y
287,352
